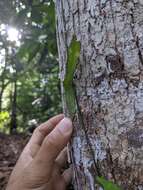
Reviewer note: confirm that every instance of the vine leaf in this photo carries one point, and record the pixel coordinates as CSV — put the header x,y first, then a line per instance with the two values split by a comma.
x,y
107,185
73,56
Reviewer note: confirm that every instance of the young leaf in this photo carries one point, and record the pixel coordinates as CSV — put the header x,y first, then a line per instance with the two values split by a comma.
x,y
107,185
73,55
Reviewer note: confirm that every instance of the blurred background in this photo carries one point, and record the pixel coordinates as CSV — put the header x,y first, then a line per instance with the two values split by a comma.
x,y
29,83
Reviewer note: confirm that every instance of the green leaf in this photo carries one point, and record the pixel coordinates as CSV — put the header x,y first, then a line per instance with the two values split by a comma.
x,y
107,185
43,8
52,13
70,100
73,56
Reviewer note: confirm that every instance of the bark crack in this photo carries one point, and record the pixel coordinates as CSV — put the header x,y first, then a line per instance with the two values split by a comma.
x,y
96,168
136,38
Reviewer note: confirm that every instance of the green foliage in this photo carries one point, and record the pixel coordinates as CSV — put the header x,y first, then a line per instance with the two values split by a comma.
x,y
4,120
33,64
73,56
107,185
28,50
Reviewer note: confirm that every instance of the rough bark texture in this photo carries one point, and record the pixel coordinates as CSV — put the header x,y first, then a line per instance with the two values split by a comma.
x,y
109,86
13,126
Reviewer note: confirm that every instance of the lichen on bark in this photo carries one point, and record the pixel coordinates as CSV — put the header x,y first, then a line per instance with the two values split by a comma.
x,y
109,87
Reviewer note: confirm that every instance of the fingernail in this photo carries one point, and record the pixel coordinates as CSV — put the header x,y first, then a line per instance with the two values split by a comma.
x,y
65,126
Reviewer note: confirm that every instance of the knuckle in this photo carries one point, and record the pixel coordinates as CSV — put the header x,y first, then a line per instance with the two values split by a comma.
x,y
50,141
60,133
36,130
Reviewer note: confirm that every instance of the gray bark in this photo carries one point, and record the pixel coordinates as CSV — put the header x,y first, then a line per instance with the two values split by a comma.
x,y
109,86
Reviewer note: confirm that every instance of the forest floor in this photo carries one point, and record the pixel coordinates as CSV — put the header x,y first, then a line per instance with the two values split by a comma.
x,y
10,148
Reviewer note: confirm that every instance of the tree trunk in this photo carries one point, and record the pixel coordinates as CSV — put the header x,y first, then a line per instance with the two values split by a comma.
x,y
109,87
13,126
2,78
1,95
3,87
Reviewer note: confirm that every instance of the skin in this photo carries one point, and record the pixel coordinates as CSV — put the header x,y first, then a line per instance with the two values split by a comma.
x,y
40,166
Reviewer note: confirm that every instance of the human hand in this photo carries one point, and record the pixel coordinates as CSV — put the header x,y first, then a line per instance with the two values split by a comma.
x,y
40,164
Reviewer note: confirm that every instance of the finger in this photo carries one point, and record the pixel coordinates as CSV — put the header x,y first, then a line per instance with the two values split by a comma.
x,y
40,133
61,160
44,129
52,146
62,181
67,176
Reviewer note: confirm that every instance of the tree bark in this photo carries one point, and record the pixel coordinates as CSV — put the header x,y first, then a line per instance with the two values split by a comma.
x,y
3,82
1,95
109,87
3,87
13,126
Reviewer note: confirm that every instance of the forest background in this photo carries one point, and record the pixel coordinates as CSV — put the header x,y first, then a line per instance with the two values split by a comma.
x,y
29,84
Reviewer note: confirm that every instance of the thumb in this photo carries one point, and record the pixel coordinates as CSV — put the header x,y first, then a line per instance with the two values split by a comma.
x,y
52,146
